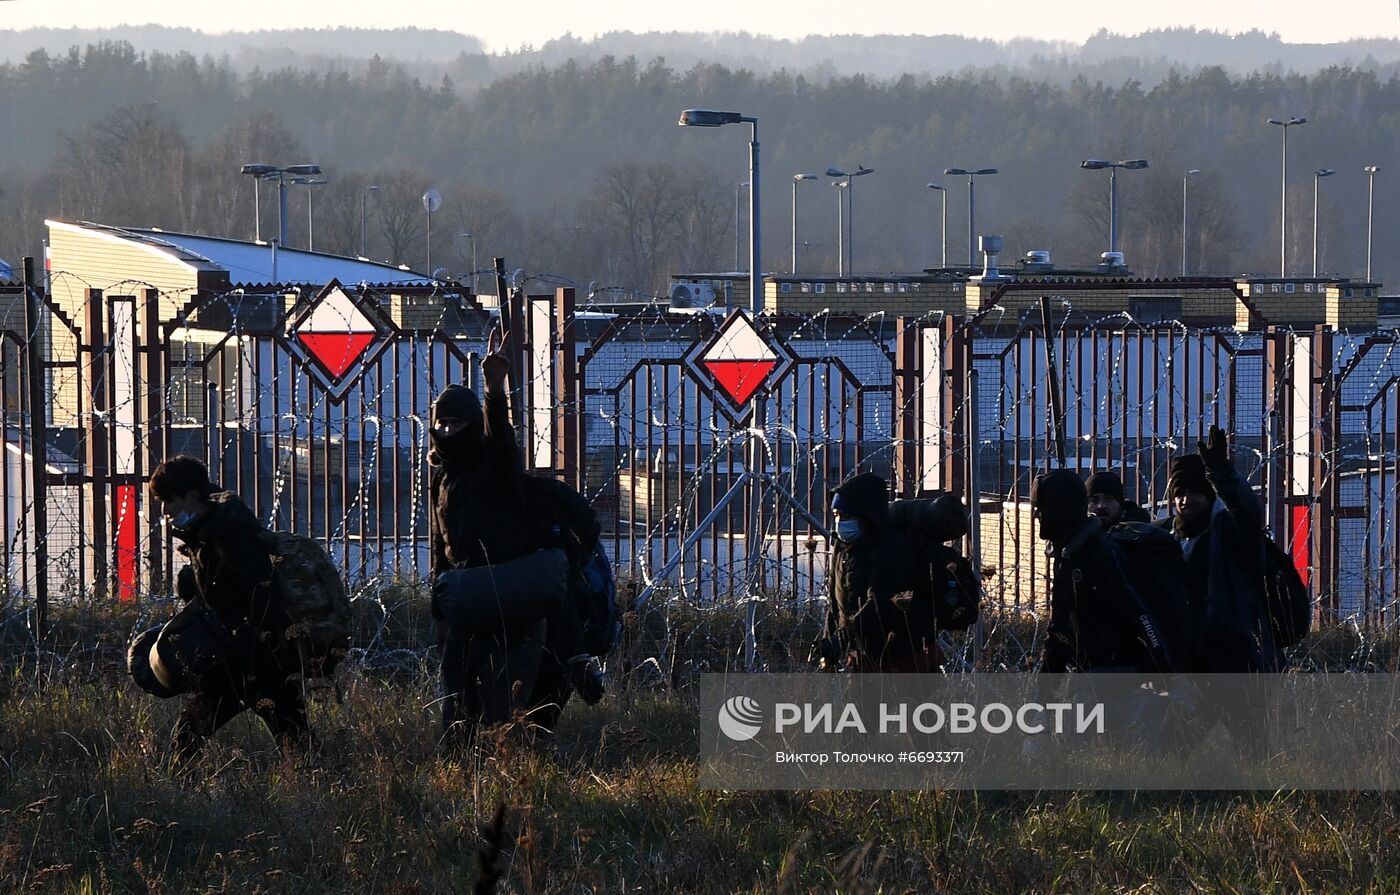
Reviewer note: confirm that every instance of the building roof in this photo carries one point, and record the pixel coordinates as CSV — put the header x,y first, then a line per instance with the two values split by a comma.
x,y
250,264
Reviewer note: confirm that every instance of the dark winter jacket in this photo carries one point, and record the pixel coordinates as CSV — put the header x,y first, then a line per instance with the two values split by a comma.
x,y
1225,577
881,606
230,569
1134,513
1097,619
480,513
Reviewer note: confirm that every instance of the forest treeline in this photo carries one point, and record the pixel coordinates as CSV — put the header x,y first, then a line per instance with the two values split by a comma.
x,y
578,171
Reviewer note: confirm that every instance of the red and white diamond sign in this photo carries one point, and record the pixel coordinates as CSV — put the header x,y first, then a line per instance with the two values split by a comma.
x,y
334,334
739,359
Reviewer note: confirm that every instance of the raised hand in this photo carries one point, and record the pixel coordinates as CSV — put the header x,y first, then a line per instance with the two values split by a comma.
x,y
495,367
1215,450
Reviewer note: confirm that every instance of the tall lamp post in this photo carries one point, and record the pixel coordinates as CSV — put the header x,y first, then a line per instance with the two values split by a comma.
x,y
848,178
310,183
1317,176
1098,164
268,172
473,240
1184,178
1370,208
364,204
840,227
1283,195
971,206
943,194
796,179
709,118
738,193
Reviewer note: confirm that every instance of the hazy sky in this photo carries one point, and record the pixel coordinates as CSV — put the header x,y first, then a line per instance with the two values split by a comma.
x,y
505,25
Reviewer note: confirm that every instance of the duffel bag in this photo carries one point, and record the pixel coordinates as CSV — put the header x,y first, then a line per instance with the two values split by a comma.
x,y
506,597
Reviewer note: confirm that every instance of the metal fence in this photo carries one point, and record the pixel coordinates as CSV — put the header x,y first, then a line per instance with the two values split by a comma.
x,y
707,442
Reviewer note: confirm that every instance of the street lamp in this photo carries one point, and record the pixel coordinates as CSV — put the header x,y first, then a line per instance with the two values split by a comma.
x,y
1370,207
943,193
310,183
848,177
1317,175
1098,164
267,172
796,179
1283,196
709,118
971,206
364,200
1185,177
840,227
473,239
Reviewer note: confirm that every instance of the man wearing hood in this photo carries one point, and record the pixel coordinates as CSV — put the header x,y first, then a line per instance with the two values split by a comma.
x,y
480,517
1220,525
228,582
880,617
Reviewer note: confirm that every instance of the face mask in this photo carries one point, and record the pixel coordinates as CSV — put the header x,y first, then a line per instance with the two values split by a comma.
x,y
184,520
848,530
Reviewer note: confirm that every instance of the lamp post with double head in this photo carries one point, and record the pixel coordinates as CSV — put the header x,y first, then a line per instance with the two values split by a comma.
x,y
971,206
943,230
796,179
710,118
1098,164
1283,195
267,172
1370,209
1317,176
847,178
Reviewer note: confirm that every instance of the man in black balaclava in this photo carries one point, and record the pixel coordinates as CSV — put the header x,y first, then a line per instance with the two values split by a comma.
x,y
480,517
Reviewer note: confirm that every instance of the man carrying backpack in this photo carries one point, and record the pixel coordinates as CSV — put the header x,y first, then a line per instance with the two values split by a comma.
x,y
1219,523
880,617
483,520
1106,501
1100,617
224,646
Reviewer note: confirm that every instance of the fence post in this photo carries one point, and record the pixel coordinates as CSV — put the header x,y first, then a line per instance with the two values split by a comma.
x,y
1324,446
152,430
957,358
1274,441
98,454
568,416
38,442
907,431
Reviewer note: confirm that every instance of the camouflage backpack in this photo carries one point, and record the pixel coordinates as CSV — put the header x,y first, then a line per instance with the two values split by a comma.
x,y
307,586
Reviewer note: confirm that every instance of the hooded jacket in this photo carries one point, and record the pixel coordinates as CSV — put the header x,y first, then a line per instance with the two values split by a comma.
x,y
1225,576
230,568
481,513
881,605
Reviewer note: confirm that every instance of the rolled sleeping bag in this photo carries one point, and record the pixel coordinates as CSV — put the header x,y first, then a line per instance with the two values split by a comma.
x,y
190,646
138,663
505,597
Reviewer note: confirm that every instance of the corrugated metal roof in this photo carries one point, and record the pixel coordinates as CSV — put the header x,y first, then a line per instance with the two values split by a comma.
x,y
250,264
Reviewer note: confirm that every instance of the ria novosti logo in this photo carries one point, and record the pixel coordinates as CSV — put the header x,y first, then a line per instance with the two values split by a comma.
x,y
740,718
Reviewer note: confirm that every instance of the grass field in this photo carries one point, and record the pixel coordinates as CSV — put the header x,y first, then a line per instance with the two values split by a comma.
x,y
610,805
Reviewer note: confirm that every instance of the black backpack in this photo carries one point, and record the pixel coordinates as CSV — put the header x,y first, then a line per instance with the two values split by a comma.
x,y
1156,570
930,523
591,582
1286,597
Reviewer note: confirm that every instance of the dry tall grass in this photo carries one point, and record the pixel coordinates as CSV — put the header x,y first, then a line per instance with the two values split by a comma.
x,y
609,805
